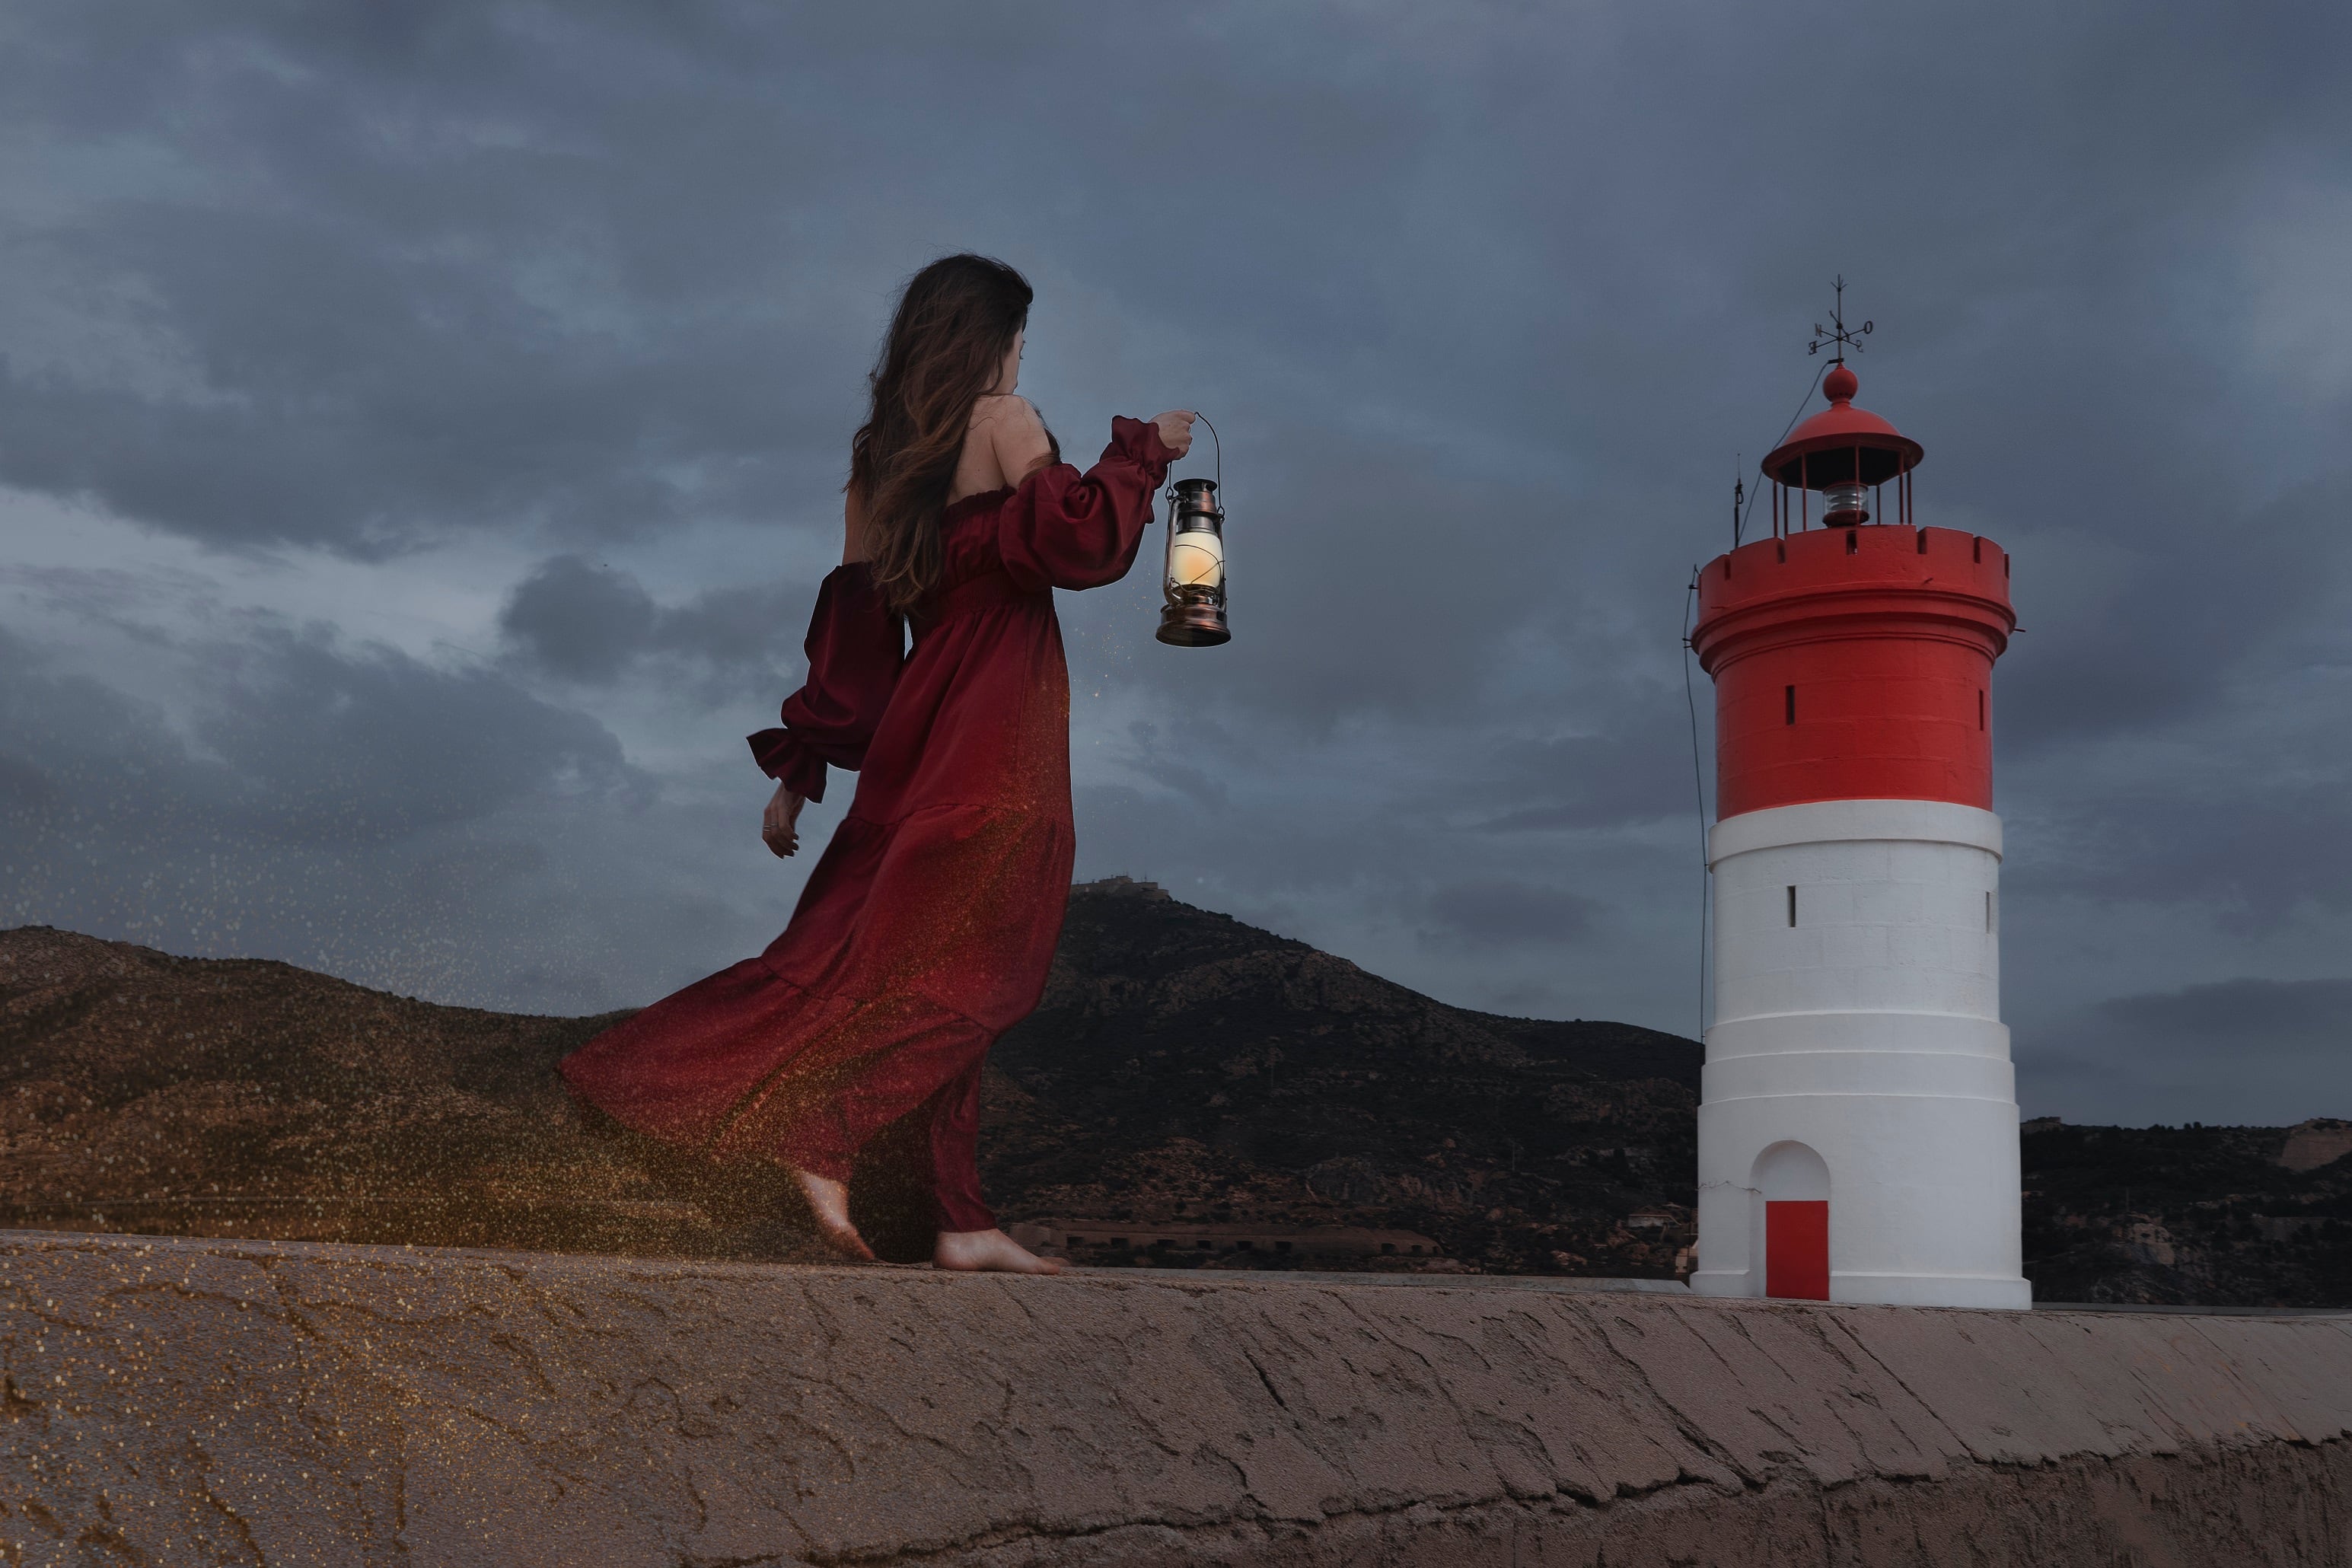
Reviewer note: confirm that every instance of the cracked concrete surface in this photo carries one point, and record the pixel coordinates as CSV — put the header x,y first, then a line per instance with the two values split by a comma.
x,y
189,1401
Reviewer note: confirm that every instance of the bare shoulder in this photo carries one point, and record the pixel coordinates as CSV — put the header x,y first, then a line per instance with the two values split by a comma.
x,y
1009,424
1014,436
1007,411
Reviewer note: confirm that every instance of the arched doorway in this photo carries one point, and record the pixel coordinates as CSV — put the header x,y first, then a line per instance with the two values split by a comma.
x,y
1795,1185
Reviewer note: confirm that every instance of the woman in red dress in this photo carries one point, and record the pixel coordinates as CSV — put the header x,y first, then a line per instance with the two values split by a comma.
x,y
928,926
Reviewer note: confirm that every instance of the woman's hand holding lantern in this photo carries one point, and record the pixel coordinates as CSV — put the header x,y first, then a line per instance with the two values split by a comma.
x,y
1176,430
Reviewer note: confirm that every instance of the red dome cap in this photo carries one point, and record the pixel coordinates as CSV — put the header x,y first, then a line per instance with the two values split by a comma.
x,y
1842,443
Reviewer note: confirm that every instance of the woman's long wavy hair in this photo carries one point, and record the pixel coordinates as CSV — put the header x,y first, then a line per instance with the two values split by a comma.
x,y
955,322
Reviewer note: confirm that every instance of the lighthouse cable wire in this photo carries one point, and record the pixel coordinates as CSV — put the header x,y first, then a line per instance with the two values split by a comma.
x,y
1698,788
1740,524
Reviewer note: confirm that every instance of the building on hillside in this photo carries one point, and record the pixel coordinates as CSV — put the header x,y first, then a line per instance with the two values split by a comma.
x,y
1857,1131
1125,888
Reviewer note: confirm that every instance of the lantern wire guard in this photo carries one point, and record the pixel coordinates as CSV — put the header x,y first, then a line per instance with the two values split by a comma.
x,y
1193,615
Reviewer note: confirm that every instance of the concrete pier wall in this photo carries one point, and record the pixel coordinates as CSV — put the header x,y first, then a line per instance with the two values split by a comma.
x,y
186,1402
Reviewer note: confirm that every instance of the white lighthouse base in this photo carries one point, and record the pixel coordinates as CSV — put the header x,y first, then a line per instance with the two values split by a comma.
x,y
1858,1061
1906,1240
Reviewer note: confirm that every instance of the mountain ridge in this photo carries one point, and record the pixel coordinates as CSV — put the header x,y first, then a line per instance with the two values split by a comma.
x,y
1268,1080
1179,1059
1183,1068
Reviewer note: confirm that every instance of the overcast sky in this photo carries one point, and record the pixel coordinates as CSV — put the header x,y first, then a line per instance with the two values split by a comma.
x,y
422,425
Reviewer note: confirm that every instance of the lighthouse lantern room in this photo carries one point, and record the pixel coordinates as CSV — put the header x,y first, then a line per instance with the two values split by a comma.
x,y
1858,1119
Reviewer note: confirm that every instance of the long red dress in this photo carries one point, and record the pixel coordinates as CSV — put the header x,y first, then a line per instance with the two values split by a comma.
x,y
928,924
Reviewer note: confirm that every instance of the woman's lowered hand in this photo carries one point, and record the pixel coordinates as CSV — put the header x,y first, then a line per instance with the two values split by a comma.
x,y
780,825
1176,430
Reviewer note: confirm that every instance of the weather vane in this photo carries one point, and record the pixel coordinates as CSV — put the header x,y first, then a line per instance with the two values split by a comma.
x,y
1837,332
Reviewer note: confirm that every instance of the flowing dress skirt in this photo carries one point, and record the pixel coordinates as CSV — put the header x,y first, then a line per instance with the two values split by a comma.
x,y
928,926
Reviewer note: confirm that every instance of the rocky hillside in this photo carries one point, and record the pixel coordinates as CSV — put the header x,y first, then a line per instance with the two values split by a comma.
x,y
142,1092
1183,1065
1184,1069
2247,1216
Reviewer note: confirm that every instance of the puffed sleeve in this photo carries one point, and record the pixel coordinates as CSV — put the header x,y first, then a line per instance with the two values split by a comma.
x,y
855,647
1063,528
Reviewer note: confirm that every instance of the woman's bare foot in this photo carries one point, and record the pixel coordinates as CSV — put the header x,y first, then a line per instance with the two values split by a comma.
x,y
990,1249
829,1201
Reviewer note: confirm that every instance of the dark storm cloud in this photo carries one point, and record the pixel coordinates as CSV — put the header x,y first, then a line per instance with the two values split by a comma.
x,y
354,811
290,739
1504,914
589,623
1589,781
2251,855
2175,620
1486,300
2314,1015
366,404
2241,1052
328,746
580,621
394,296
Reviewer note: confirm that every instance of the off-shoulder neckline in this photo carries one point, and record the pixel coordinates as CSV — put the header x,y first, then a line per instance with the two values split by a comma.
x,y
999,493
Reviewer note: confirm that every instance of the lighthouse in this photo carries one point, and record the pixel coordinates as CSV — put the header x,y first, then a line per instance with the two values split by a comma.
x,y
1857,1124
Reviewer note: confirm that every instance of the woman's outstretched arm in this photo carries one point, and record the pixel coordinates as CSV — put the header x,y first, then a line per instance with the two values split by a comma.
x,y
1063,528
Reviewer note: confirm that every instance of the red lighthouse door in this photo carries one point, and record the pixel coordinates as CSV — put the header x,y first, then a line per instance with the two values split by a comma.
x,y
1797,1249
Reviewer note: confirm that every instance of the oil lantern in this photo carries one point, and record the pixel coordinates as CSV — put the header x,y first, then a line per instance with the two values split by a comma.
x,y
1192,582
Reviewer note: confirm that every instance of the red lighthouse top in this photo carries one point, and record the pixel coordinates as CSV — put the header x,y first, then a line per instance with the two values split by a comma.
x,y
1852,662
1842,444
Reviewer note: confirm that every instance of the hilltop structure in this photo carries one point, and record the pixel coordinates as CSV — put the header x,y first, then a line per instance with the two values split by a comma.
x,y
1857,1124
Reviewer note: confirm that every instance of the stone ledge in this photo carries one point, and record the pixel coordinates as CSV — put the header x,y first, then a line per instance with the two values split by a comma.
x,y
199,1402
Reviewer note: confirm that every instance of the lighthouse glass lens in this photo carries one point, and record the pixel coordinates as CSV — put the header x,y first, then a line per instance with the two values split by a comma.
x,y
1844,506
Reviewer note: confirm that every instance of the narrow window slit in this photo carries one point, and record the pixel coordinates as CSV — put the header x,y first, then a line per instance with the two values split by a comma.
x,y
1852,541
1988,908
1922,542
1980,716
1792,906
1789,695
1980,549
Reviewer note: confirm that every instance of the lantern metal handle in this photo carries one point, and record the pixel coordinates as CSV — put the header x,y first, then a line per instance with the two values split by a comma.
x,y
1216,447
